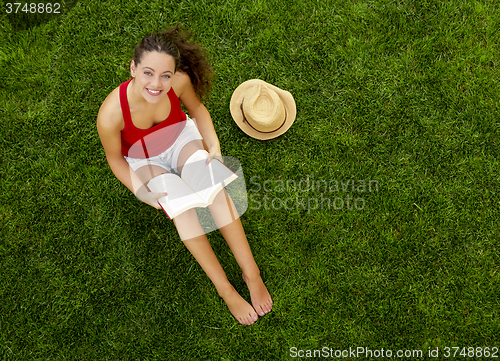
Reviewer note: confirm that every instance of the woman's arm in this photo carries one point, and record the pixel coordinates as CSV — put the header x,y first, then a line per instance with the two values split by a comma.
x,y
187,95
109,127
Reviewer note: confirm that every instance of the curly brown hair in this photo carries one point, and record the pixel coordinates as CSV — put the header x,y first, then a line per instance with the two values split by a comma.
x,y
189,56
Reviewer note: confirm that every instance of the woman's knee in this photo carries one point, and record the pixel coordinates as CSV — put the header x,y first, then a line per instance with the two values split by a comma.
x,y
221,200
186,217
187,224
223,210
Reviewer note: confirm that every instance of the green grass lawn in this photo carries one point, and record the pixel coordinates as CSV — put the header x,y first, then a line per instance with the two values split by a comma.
x,y
401,95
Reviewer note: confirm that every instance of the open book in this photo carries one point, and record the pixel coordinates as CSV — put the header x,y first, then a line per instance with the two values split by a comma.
x,y
197,186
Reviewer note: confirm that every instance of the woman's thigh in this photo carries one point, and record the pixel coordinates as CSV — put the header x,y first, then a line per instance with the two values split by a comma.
x,y
148,172
187,151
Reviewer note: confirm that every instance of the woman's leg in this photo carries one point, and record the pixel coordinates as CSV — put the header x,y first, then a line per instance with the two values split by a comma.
x,y
196,242
203,253
223,210
226,218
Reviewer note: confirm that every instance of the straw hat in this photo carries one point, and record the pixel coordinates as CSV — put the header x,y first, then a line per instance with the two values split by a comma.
x,y
262,110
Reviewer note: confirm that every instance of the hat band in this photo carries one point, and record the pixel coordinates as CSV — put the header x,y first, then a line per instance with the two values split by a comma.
x,y
251,126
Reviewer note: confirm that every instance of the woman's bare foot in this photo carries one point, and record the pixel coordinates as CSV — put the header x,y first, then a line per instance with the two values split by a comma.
x,y
239,308
261,299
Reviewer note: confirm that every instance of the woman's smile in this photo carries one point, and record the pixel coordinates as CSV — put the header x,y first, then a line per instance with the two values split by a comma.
x,y
154,92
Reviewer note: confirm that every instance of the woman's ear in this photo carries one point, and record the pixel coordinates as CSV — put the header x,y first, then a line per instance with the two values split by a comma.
x,y
132,68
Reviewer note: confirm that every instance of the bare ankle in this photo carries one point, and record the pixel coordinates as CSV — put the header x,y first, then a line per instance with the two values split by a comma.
x,y
225,289
251,276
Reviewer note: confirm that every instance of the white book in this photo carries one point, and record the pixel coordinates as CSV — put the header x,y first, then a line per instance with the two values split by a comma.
x,y
197,186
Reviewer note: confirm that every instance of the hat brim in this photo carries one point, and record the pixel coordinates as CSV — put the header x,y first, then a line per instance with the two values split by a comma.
x,y
237,98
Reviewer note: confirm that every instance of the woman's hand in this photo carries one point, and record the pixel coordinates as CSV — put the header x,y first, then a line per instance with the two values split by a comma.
x,y
214,153
144,195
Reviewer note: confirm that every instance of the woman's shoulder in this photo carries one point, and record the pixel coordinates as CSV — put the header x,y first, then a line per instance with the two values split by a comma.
x,y
184,90
110,114
181,82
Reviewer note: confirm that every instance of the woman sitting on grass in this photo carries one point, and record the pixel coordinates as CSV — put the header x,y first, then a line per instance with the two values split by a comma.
x,y
167,68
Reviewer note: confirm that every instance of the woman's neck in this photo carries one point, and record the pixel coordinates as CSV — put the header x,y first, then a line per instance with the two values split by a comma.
x,y
135,97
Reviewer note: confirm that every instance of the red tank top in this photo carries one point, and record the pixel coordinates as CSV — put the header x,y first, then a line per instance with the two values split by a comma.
x,y
147,143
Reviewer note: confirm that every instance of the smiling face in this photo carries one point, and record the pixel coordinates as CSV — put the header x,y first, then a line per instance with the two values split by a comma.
x,y
153,75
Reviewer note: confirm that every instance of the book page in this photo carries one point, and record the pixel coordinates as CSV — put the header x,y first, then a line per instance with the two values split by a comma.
x,y
206,180
179,195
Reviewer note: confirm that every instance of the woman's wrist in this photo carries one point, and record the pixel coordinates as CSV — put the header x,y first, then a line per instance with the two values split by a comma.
x,y
213,146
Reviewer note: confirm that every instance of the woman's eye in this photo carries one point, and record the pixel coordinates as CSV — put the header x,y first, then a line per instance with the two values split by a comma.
x,y
166,76
147,73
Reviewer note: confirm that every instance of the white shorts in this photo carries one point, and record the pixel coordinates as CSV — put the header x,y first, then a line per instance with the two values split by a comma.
x,y
168,159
